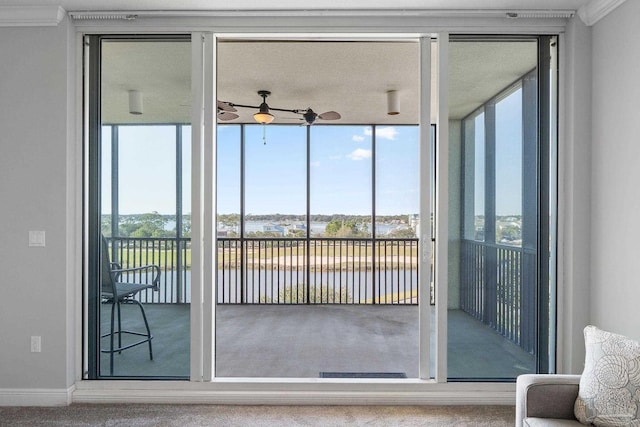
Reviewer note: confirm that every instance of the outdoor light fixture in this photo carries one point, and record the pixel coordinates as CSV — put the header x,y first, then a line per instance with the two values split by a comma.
x,y
135,102
264,116
393,103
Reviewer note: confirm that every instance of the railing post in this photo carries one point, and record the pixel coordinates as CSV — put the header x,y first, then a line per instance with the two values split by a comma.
x,y
179,295
491,256
308,217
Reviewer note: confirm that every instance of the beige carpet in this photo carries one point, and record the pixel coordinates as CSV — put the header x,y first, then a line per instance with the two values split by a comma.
x,y
250,416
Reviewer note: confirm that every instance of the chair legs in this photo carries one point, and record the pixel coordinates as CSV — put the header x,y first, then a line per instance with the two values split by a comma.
x,y
146,325
113,332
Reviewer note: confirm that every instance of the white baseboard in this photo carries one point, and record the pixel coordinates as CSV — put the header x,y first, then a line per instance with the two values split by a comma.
x,y
154,392
36,396
281,396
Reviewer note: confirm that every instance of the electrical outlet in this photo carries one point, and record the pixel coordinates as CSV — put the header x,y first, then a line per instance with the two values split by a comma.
x,y
36,344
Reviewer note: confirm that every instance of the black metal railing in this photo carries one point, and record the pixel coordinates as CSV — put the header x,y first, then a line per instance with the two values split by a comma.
x,y
172,255
496,288
317,271
281,270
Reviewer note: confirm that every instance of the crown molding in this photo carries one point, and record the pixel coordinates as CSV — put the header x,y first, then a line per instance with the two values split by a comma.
x,y
132,15
595,10
36,16
31,16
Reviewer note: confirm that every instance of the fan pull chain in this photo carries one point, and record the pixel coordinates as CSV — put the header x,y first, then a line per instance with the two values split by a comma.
x,y
264,134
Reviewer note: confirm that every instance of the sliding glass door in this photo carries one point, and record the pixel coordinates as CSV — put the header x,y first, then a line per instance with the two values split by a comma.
x,y
317,225
334,236
139,227
500,295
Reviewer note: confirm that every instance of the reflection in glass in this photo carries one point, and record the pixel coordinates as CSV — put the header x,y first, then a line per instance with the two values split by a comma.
x,y
491,314
340,187
145,194
509,169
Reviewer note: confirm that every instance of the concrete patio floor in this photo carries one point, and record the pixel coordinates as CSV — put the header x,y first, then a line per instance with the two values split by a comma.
x,y
306,341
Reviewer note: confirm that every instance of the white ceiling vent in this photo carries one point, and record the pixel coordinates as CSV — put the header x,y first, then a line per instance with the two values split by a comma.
x,y
93,16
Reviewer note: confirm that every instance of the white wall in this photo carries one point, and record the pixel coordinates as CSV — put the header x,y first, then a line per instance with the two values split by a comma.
x,y
600,245
574,158
34,283
615,229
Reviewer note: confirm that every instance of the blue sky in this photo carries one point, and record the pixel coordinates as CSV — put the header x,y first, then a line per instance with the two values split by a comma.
x,y
340,170
509,155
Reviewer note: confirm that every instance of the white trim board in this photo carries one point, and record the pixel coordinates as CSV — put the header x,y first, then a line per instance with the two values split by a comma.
x,y
31,16
279,394
595,10
34,16
36,396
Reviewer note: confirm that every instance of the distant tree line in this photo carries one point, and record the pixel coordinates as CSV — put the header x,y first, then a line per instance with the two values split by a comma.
x,y
157,225
146,225
234,219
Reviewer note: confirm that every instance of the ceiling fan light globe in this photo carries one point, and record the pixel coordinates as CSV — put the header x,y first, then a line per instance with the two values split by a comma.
x,y
263,117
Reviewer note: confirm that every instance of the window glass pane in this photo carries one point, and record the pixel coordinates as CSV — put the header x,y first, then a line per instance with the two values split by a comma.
x,y
228,180
397,181
147,173
305,280
145,190
397,206
492,317
474,177
509,169
105,182
340,197
186,181
275,180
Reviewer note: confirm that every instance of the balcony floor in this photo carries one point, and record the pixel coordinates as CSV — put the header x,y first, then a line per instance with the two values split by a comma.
x,y
305,341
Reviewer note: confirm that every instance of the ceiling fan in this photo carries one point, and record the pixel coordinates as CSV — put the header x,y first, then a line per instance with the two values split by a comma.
x,y
226,111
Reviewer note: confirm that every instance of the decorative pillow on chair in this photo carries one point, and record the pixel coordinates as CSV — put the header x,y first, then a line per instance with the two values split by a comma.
x,y
609,393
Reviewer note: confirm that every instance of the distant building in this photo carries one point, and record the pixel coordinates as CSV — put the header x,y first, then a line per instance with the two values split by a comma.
x,y
274,228
414,223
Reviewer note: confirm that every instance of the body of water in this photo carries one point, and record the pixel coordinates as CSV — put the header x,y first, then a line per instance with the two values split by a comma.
x,y
316,227
260,286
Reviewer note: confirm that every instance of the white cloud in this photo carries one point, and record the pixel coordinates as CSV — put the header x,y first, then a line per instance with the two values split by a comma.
x,y
315,164
387,133
360,154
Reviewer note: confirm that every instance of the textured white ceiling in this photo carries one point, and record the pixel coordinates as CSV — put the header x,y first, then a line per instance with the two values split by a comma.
x,y
480,70
160,70
351,78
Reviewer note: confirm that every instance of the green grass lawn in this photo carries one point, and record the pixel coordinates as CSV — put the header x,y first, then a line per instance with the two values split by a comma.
x,y
359,255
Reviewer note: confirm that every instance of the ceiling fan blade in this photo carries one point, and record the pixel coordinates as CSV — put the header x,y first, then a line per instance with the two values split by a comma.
x,y
329,115
226,115
225,106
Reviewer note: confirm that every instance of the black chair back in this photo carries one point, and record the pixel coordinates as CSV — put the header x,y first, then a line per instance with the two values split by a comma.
x,y
108,284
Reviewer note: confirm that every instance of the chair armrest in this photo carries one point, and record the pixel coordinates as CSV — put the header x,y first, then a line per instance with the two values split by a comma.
x,y
546,396
156,277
